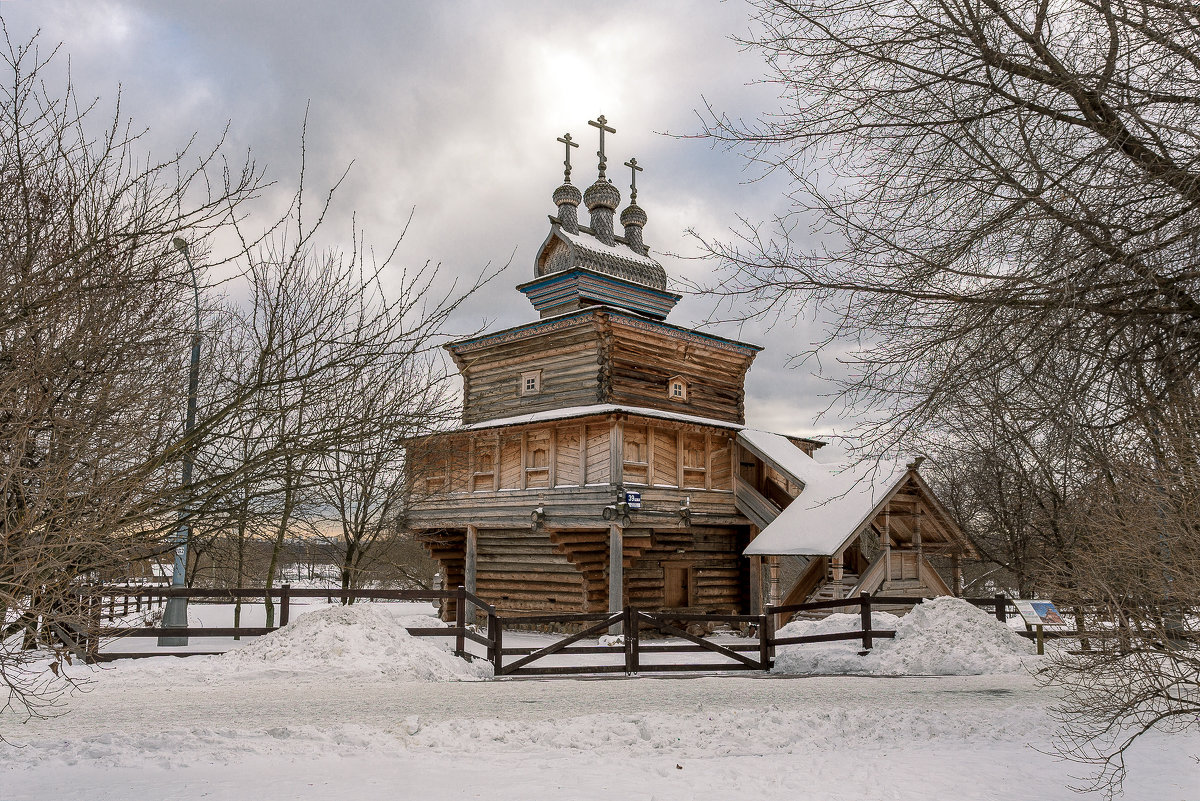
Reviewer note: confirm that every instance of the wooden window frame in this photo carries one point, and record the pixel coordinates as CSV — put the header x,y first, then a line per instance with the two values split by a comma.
x,y
682,383
528,377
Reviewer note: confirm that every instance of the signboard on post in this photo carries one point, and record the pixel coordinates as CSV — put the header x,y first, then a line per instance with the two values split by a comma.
x,y
1039,613
634,499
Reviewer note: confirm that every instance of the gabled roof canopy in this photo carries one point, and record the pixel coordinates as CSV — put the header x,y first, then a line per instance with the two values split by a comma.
x,y
838,503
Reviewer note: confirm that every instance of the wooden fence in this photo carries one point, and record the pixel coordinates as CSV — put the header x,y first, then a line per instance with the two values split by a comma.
x,y
627,651
102,602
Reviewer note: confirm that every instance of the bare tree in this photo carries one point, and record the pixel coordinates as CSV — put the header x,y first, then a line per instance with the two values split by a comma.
x,y
90,374
364,480
1008,198
95,317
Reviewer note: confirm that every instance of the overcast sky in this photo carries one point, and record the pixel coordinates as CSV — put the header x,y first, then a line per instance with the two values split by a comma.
x,y
453,109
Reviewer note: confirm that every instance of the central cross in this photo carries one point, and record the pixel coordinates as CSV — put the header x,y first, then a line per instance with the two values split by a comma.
x,y
602,124
634,169
568,144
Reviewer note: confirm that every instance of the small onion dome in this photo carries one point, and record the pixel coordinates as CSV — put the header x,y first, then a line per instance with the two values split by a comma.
x,y
602,194
634,215
567,197
568,194
633,218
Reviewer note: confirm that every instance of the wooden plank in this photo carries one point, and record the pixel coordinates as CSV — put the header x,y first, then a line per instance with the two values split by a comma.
x,y
554,648
471,558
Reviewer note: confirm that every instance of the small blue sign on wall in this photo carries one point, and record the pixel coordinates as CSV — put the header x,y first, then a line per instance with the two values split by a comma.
x,y
634,499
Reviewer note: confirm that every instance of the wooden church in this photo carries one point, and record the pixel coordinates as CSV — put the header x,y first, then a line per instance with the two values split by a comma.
x,y
604,458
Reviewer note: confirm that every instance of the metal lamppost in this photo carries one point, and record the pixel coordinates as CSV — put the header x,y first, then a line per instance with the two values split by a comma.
x,y
175,613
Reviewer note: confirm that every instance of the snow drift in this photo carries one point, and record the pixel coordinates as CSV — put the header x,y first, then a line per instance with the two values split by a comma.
x,y
941,637
362,641
356,639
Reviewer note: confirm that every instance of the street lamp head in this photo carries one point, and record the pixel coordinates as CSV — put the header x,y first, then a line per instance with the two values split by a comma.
x,y
180,244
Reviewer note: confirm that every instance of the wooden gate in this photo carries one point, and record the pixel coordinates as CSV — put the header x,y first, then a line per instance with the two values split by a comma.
x,y
627,652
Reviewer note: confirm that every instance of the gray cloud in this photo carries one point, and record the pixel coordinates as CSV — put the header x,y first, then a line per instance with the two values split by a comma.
x,y
452,109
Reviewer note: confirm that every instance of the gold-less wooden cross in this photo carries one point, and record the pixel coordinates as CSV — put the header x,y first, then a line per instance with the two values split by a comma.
x,y
602,124
635,169
566,140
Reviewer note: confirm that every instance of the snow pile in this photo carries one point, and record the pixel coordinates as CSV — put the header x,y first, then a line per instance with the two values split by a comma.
x,y
355,639
941,637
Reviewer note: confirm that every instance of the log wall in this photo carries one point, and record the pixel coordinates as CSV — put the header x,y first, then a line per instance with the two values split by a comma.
x,y
602,356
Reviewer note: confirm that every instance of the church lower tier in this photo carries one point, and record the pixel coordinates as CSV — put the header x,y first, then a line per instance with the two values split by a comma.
x,y
536,568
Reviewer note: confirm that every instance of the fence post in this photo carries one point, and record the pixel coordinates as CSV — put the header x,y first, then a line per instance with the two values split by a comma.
x,y
92,635
460,622
491,633
626,617
285,604
1001,608
633,639
764,641
864,611
497,637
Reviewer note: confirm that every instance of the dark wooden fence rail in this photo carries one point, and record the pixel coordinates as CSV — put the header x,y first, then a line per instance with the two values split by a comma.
x,y
756,655
87,639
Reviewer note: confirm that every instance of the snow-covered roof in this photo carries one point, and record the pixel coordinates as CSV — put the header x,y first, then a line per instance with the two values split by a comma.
x,y
620,253
835,502
600,408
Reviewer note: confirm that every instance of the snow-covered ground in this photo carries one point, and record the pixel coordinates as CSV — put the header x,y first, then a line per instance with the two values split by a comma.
x,y
366,721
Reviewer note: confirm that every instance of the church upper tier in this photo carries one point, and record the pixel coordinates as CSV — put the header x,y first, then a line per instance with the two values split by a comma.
x,y
602,340
586,265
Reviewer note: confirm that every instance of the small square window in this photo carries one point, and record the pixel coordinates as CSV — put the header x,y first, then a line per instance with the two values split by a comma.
x,y
531,382
677,389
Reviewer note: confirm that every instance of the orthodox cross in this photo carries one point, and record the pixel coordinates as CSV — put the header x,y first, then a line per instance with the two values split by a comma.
x,y
566,140
635,169
602,124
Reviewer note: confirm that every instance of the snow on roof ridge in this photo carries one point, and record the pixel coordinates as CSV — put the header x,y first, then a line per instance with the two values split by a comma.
x,y
833,505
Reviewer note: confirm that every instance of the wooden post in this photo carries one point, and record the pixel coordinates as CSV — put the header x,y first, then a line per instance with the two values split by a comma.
x,y
616,571
773,581
491,633
497,637
708,459
837,576
285,604
1001,608
756,585
631,641
616,454
956,575
496,465
679,457
917,538
470,557
92,652
524,458
887,543
764,641
1040,642
864,611
583,455
460,622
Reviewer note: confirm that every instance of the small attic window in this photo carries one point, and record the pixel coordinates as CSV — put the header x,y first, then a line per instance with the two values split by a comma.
x,y
677,389
531,382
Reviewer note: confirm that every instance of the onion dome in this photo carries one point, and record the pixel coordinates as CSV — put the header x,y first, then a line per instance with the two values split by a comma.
x,y
602,199
568,197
